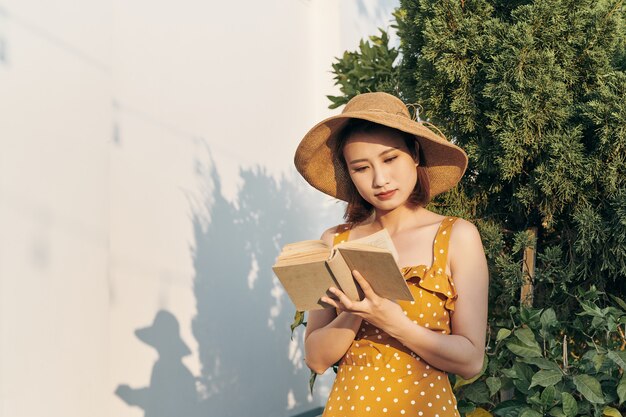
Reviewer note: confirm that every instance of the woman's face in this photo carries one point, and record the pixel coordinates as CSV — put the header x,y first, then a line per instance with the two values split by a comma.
x,y
381,167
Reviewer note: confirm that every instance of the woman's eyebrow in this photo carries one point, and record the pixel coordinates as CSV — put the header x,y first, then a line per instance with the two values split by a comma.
x,y
354,161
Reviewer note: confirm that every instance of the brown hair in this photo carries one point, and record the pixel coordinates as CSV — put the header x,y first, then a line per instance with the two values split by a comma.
x,y
358,209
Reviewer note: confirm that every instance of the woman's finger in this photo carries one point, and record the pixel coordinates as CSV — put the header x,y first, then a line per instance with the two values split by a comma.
x,y
331,302
365,286
332,298
343,299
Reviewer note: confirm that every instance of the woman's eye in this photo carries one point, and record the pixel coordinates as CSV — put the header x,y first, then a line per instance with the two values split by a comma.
x,y
359,169
390,159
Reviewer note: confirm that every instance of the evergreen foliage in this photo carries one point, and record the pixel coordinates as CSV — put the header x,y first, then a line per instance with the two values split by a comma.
x,y
371,68
535,92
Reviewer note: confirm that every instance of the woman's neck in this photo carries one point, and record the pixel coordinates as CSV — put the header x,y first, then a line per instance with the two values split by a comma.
x,y
397,219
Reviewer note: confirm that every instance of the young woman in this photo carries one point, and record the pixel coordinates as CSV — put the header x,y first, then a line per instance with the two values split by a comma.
x,y
394,356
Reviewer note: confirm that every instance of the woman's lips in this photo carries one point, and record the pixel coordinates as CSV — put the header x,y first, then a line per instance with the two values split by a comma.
x,y
386,196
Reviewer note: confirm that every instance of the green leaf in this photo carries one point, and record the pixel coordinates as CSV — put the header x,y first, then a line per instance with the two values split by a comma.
x,y
548,318
523,350
312,381
503,334
523,372
526,336
524,375
529,412
619,301
478,393
298,319
509,372
530,315
541,363
589,387
494,384
534,399
618,357
547,396
464,407
570,406
557,412
546,378
598,360
621,389
590,309
611,412
509,408
597,322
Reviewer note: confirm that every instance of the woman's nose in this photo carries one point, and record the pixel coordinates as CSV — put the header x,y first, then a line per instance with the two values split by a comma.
x,y
380,178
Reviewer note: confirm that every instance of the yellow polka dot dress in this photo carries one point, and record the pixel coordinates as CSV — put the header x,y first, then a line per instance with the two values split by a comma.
x,y
378,376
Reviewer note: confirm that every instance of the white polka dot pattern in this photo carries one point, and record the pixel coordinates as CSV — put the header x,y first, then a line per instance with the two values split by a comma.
x,y
380,376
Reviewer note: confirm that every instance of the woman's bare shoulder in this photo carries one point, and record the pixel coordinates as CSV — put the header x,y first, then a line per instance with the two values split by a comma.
x,y
465,242
329,234
464,230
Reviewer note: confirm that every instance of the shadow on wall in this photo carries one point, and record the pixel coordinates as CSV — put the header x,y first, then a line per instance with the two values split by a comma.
x,y
250,367
172,390
249,364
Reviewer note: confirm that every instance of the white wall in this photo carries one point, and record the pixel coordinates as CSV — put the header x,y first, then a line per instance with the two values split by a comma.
x,y
146,166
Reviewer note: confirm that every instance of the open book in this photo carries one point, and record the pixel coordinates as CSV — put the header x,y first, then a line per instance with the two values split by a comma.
x,y
308,268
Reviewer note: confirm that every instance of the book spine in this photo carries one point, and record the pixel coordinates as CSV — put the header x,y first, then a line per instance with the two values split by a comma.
x,y
343,275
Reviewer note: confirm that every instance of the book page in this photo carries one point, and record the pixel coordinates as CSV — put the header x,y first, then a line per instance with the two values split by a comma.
x,y
380,270
297,257
305,245
306,283
380,239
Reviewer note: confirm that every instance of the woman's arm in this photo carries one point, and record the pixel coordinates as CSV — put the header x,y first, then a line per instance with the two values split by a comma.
x,y
461,352
328,335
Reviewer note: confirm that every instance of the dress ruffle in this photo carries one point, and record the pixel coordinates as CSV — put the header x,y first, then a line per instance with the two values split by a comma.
x,y
433,280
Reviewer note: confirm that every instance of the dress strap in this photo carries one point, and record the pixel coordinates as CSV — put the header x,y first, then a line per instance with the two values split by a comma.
x,y
342,232
440,245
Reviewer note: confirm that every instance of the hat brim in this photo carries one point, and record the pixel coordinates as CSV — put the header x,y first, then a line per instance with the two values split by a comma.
x,y
444,162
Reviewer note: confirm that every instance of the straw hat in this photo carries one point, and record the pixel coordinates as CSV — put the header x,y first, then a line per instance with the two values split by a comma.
x,y
444,161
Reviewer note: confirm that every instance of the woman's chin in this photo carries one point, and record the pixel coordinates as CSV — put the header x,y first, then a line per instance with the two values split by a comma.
x,y
386,206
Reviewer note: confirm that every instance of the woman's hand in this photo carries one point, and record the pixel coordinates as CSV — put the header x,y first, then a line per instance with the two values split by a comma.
x,y
379,311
